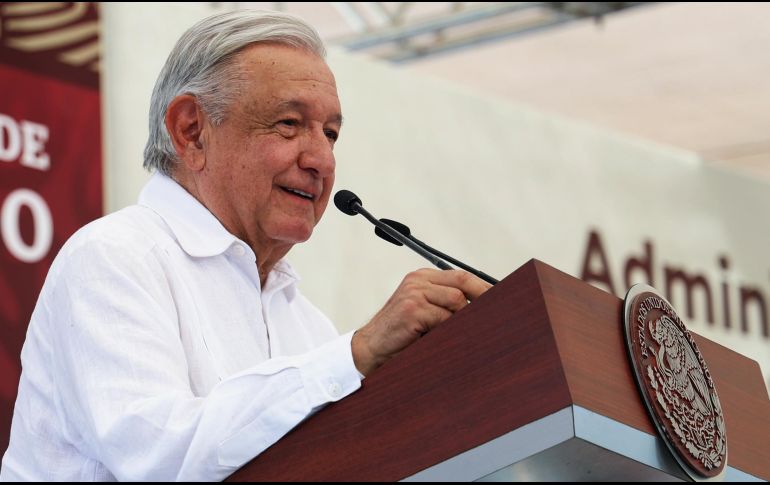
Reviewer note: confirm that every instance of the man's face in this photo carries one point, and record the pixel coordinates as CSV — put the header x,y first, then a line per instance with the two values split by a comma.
x,y
269,166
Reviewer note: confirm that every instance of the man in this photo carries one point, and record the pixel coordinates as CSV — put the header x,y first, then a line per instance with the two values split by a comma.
x,y
169,341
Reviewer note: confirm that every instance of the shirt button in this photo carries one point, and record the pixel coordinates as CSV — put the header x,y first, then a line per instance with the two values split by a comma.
x,y
239,251
335,390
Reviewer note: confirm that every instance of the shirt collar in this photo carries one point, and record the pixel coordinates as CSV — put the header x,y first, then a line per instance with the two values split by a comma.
x,y
199,233
282,277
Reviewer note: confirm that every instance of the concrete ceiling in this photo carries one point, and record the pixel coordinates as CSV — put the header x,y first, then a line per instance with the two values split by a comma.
x,y
691,75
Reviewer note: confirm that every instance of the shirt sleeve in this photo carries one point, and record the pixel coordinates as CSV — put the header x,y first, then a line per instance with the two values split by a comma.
x,y
121,381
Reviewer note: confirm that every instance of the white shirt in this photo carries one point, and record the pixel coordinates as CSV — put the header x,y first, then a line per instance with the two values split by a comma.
x,y
154,354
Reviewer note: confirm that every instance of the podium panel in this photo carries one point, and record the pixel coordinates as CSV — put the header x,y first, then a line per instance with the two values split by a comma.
x,y
529,382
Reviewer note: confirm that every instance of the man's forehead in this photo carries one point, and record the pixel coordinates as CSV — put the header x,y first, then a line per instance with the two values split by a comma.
x,y
280,78
275,58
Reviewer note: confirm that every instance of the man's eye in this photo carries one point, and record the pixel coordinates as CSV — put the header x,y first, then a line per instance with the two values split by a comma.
x,y
289,122
332,135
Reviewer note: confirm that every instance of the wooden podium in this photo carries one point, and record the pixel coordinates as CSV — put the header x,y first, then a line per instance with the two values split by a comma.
x,y
530,382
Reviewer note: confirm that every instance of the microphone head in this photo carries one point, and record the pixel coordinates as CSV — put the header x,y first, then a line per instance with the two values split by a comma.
x,y
395,225
344,200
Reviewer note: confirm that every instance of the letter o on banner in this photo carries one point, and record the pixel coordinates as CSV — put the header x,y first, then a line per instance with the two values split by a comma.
x,y
11,232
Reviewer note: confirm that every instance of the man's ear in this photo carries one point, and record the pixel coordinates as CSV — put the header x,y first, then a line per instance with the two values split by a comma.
x,y
185,123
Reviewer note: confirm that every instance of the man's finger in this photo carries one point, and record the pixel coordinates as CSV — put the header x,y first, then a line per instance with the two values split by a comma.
x,y
433,315
469,284
453,299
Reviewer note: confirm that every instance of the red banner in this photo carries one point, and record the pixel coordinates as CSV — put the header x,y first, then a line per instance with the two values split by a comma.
x,y
50,158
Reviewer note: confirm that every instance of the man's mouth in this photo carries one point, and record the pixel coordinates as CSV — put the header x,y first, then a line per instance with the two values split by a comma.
x,y
299,193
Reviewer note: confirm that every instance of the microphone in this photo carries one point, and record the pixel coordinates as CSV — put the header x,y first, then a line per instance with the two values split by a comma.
x,y
350,204
404,230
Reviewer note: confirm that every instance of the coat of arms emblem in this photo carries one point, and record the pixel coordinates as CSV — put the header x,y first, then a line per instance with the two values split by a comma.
x,y
675,383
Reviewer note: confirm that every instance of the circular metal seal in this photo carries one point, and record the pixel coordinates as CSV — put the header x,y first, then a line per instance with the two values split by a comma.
x,y
676,385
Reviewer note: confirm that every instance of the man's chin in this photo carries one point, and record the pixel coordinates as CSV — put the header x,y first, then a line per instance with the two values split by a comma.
x,y
296,235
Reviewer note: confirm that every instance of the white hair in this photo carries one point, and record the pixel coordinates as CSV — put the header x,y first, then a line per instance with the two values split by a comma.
x,y
203,64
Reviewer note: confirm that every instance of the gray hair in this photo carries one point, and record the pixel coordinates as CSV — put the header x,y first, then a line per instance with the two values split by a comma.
x,y
203,64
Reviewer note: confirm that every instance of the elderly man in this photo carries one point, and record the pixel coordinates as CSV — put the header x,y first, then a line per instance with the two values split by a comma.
x,y
170,341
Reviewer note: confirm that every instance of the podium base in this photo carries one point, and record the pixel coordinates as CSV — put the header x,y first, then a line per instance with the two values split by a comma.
x,y
573,444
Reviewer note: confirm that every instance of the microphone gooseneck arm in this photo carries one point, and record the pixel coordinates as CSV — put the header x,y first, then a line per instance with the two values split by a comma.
x,y
455,262
349,203
440,263
404,231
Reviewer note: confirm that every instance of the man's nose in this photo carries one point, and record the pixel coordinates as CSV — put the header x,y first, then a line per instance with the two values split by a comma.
x,y
317,154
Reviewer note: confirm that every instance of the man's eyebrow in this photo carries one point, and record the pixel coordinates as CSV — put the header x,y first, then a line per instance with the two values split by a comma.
x,y
297,105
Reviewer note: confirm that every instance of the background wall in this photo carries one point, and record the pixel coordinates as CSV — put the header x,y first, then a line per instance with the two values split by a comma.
x,y
483,179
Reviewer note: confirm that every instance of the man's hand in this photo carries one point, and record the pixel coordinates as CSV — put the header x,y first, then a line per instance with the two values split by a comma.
x,y
424,299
